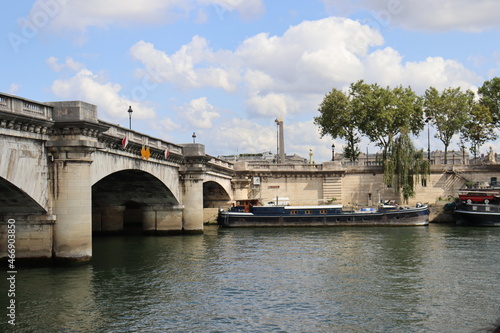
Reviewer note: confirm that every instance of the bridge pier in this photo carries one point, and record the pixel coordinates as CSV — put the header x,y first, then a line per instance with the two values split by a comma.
x,y
162,219
72,206
33,235
108,219
193,200
73,140
192,186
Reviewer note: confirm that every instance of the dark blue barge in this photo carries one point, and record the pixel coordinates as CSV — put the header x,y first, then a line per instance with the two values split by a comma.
x,y
324,215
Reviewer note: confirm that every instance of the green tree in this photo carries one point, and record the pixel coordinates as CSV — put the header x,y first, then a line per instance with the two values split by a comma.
x,y
450,111
405,166
351,150
384,112
478,128
489,96
338,119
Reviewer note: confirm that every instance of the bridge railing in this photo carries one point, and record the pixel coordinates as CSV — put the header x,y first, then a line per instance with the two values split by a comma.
x,y
25,107
221,163
141,139
278,167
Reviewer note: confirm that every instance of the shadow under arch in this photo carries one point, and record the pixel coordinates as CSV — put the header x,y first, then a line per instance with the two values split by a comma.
x,y
214,195
121,201
14,200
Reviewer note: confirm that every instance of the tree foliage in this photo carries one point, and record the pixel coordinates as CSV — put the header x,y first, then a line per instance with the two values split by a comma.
x,y
385,112
338,119
450,110
405,166
489,96
478,128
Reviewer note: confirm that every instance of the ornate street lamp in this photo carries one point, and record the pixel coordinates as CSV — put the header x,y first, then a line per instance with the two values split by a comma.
x,y
194,137
428,121
130,116
333,152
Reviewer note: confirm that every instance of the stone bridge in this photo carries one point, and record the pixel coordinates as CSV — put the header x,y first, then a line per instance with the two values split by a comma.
x,y
65,174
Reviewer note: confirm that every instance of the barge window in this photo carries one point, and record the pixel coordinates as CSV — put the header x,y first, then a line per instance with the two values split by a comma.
x,y
293,212
323,211
308,211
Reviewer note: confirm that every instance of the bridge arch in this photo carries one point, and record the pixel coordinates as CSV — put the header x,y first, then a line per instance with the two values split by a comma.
x,y
14,200
134,200
214,195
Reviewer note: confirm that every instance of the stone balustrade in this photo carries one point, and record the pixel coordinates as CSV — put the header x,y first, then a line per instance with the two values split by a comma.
x,y
25,107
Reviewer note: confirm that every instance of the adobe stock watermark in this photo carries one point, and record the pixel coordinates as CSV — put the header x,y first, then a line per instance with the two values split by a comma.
x,y
11,271
380,19
221,9
44,12
150,81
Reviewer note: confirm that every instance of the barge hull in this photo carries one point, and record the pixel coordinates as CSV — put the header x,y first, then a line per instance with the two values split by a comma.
x,y
397,218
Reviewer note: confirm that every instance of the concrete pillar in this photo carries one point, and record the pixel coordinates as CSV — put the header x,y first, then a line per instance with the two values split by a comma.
x,y
73,208
193,202
192,186
162,219
72,141
169,219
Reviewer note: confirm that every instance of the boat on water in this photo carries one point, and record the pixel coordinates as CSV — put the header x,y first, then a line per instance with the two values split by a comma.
x,y
476,214
323,215
479,205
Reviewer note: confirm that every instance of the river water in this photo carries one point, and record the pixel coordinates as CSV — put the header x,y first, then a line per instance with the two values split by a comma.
x,y
367,279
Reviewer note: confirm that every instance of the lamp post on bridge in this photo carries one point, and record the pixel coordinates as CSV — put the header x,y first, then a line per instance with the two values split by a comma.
x,y
130,116
428,121
194,137
333,152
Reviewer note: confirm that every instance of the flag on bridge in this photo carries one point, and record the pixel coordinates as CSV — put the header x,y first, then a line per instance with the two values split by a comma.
x,y
167,153
124,142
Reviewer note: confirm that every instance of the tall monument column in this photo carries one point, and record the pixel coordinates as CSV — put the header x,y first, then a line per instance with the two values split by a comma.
x,y
281,141
71,145
192,186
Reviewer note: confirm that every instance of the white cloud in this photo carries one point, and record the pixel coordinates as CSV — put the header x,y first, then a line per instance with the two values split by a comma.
x,y
14,88
289,74
79,15
199,113
271,105
168,124
430,15
69,63
240,135
194,65
301,137
93,88
386,67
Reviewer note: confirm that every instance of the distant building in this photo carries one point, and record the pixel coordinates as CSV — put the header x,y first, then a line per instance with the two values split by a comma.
x,y
265,157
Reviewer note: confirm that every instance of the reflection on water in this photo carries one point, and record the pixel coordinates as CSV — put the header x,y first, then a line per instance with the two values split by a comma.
x,y
422,279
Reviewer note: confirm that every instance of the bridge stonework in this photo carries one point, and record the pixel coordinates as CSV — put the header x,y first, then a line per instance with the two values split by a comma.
x,y
65,175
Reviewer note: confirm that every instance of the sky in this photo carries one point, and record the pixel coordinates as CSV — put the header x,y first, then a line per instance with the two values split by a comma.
x,y
226,69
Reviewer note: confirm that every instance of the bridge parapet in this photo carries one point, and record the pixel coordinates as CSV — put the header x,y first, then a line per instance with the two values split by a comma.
x,y
25,107
217,163
277,167
159,149
25,116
